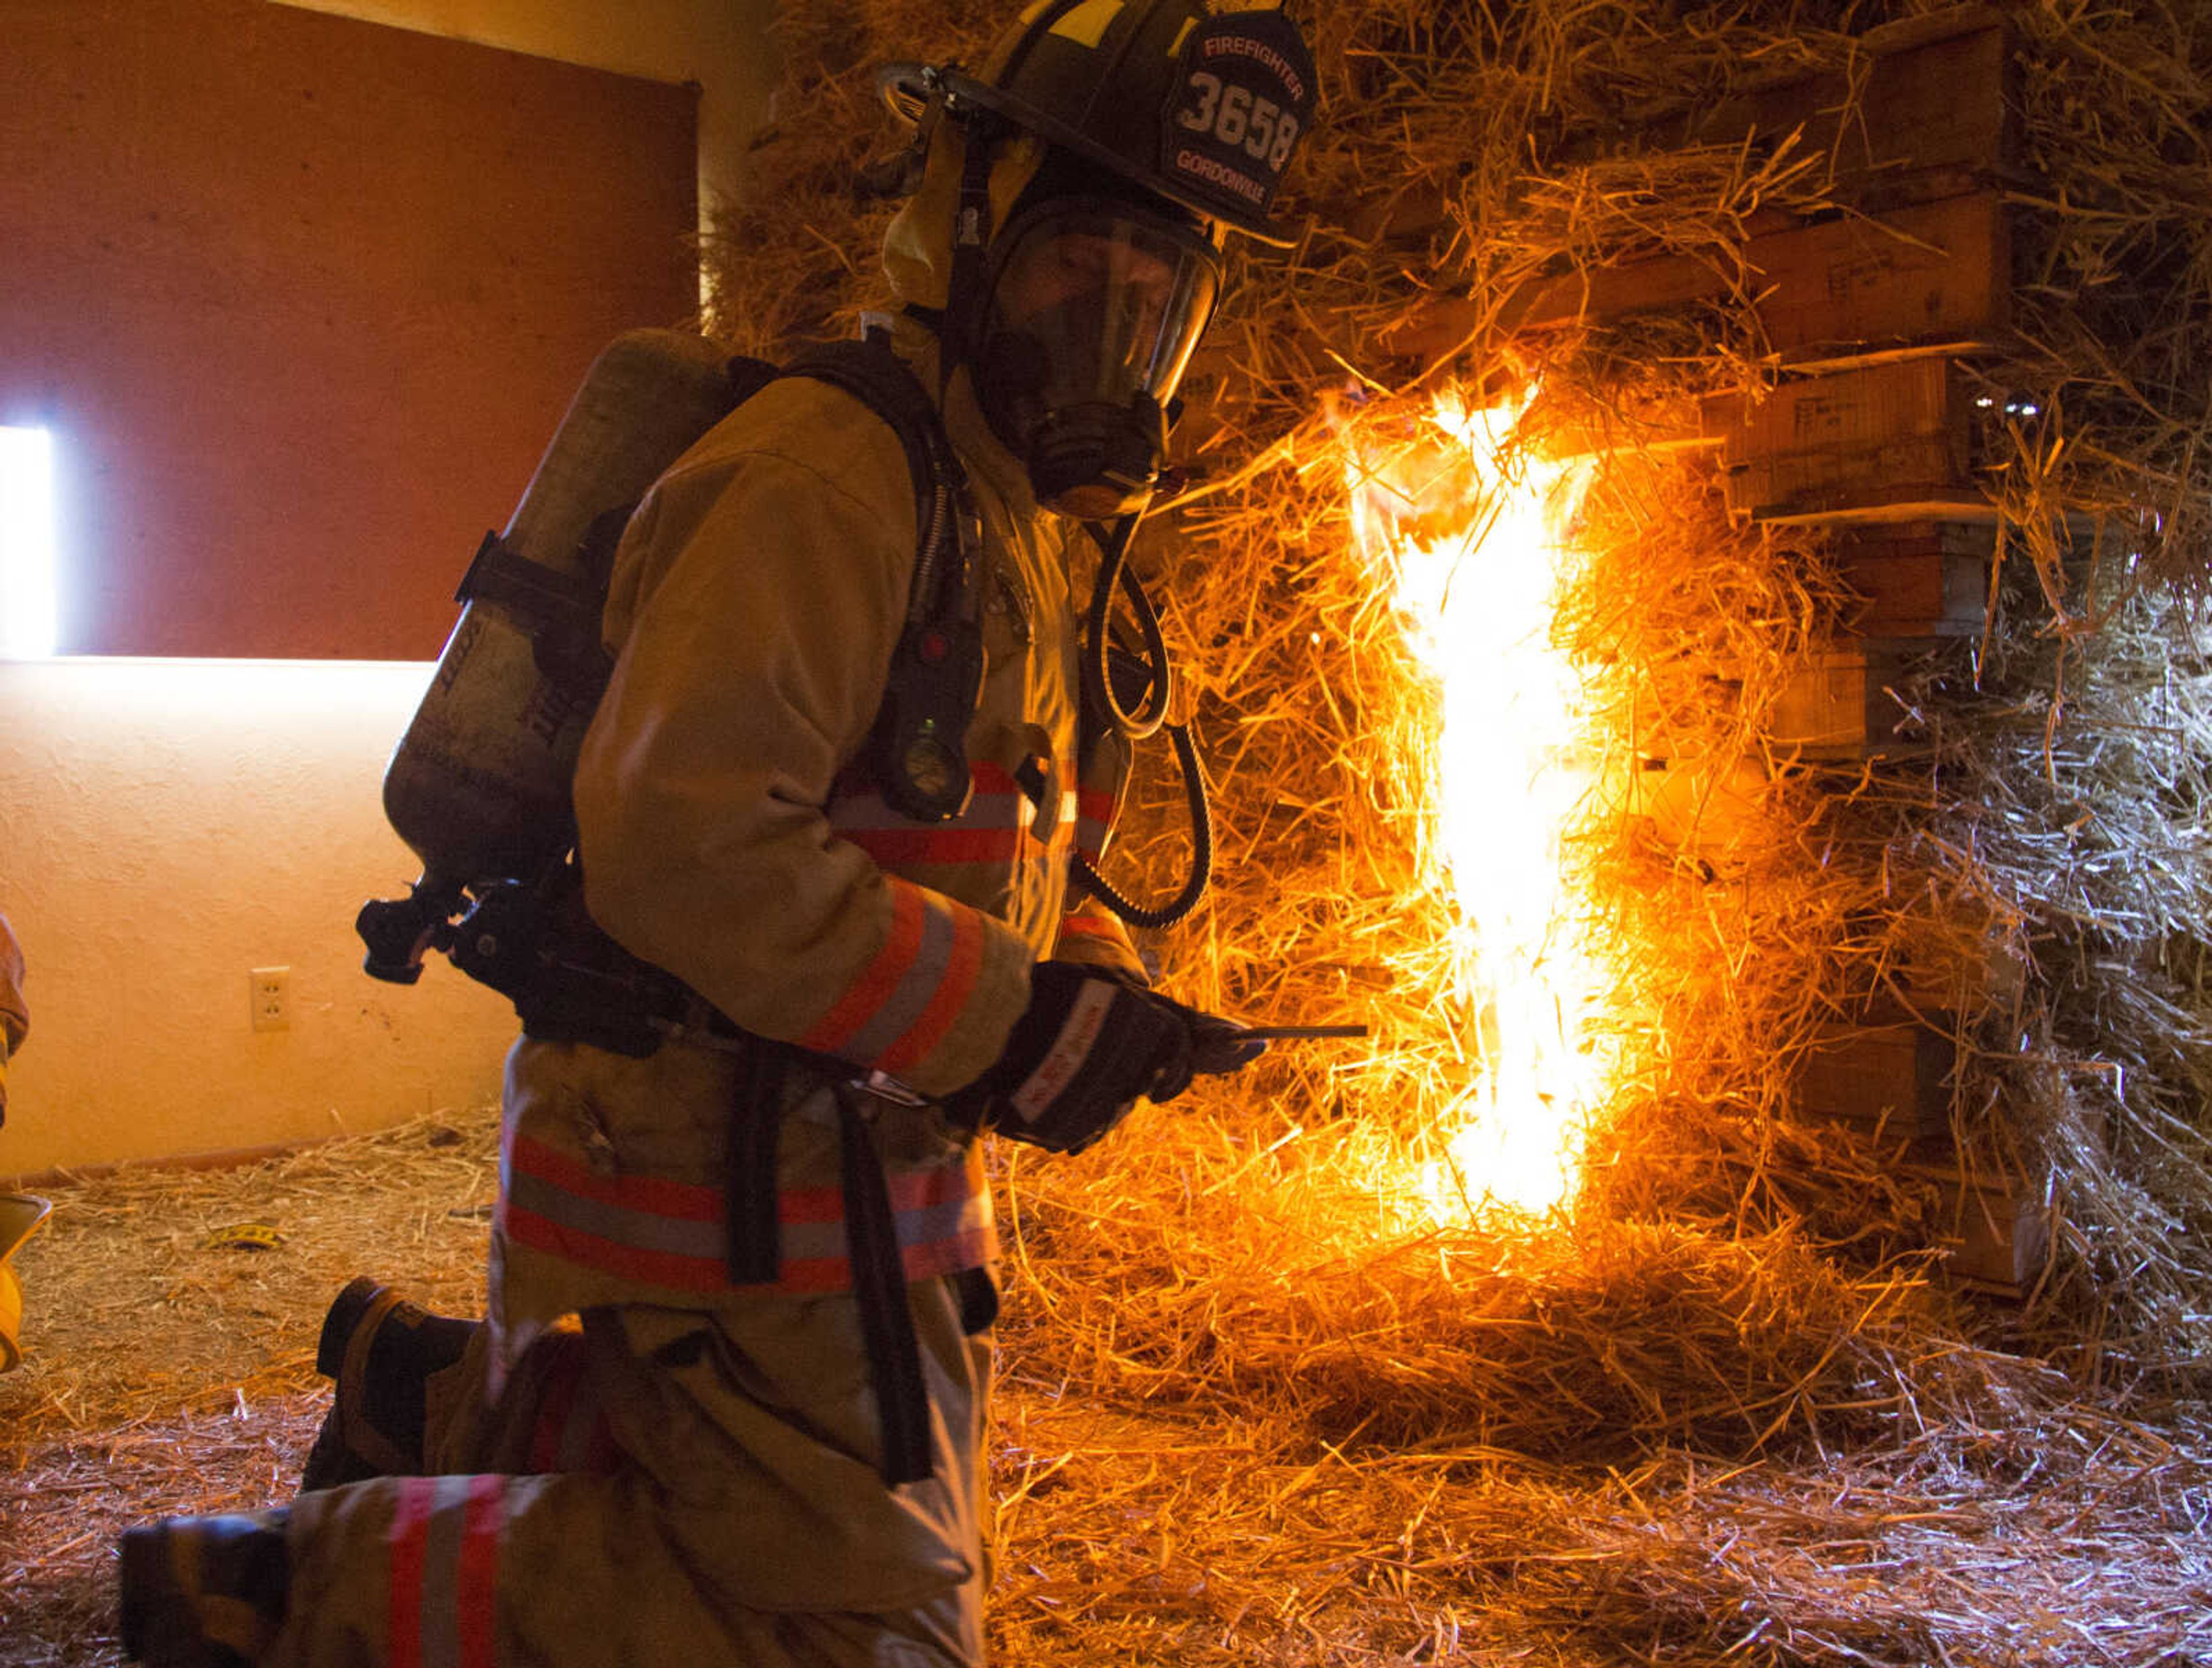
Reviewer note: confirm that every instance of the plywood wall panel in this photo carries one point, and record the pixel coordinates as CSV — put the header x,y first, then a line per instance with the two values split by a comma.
x,y
301,298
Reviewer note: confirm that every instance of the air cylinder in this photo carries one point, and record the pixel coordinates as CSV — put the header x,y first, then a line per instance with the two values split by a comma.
x,y
479,785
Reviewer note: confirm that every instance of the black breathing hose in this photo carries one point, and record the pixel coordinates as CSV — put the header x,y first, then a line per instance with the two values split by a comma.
x,y
1099,695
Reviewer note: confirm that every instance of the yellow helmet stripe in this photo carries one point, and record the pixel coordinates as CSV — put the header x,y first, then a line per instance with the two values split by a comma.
x,y
1086,25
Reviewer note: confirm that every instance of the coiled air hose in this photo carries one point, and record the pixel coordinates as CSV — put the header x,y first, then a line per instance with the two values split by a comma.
x,y
1099,649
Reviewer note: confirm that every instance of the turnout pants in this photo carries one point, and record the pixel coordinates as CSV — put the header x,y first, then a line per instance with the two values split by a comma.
x,y
663,1486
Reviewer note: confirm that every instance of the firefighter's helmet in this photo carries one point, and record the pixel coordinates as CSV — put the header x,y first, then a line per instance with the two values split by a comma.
x,y
1160,125
1202,110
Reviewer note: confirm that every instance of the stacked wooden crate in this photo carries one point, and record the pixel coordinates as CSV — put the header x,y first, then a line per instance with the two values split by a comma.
x,y
1880,318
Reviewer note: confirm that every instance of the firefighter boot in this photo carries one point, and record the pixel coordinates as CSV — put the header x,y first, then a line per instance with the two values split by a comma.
x,y
380,1350
203,1592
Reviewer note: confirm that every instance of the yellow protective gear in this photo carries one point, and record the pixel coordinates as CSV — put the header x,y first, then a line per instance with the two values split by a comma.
x,y
700,1513
733,1509
757,601
918,247
14,1015
19,1217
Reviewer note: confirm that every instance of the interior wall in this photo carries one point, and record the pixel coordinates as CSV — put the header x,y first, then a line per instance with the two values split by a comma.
x,y
300,298
165,827
722,45
168,826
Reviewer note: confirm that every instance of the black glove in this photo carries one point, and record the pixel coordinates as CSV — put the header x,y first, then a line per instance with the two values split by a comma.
x,y
1086,1049
1218,1045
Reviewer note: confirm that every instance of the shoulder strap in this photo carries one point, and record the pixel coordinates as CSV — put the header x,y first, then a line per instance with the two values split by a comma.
x,y
917,752
871,373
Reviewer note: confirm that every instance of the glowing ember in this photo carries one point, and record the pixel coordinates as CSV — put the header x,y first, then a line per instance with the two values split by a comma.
x,y
1472,530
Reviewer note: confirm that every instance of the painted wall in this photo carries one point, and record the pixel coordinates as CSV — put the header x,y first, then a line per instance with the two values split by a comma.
x,y
722,44
166,825
348,277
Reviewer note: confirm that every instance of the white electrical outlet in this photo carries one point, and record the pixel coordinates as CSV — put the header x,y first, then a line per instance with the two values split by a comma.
x,y
269,992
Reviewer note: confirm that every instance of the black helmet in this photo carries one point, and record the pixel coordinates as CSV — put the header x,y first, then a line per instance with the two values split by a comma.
x,y
1202,110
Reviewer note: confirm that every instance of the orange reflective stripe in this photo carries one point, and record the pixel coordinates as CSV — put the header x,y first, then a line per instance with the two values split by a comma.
x,y
546,1232
819,1277
683,1200
671,1233
1087,927
879,979
408,1539
1094,821
476,1574
442,1589
908,847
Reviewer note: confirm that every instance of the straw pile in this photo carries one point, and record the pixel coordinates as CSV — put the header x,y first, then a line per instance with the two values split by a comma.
x,y
2030,875
1265,1402
169,1369
2001,1520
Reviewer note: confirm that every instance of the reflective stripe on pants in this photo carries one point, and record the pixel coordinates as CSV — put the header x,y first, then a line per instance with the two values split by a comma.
x,y
741,1523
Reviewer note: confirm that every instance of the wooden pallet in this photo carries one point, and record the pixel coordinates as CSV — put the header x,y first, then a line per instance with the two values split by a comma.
x,y
1893,1078
1916,579
1888,442
1924,108
1840,708
1995,1229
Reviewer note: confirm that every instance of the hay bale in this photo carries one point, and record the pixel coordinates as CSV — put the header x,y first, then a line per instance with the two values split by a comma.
x,y
1463,154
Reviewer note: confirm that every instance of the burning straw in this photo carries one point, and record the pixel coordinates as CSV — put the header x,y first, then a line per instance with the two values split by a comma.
x,y
1739,900
1283,1385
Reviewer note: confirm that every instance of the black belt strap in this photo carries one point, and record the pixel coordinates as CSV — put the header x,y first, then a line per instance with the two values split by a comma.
x,y
879,1288
750,1241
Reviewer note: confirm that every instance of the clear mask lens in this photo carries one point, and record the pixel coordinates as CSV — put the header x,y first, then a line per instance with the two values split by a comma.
x,y
1095,306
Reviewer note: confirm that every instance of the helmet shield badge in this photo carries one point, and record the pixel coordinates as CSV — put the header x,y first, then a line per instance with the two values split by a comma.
x,y
1241,103
1095,304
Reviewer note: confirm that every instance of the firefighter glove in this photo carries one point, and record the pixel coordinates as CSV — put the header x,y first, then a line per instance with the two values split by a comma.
x,y
1218,1045
1087,1048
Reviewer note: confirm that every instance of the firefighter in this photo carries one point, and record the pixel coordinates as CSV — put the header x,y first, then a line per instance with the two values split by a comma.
x,y
20,1213
14,1013
727,1404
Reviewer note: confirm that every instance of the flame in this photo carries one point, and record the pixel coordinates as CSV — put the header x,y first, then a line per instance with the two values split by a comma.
x,y
1471,526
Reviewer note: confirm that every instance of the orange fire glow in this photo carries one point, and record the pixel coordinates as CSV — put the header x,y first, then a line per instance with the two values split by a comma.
x,y
1471,526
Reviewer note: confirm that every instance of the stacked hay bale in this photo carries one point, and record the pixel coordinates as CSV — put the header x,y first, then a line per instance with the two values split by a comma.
x,y
1996,878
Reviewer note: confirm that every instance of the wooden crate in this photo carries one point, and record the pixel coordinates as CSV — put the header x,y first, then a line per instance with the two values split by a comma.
x,y
1917,578
1840,708
1934,278
1893,1077
1923,113
1932,275
1933,111
1888,442
1995,1229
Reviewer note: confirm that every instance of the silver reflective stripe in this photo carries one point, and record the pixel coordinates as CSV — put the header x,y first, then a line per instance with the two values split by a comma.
x,y
438,1620
917,988
922,1226
641,1230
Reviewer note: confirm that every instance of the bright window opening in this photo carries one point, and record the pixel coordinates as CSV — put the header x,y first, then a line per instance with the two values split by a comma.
x,y
28,598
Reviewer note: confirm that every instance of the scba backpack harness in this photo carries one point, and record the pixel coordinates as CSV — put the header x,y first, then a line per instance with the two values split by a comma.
x,y
479,784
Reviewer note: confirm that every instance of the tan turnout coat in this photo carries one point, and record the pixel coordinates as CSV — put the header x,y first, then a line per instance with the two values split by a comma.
x,y
707,1487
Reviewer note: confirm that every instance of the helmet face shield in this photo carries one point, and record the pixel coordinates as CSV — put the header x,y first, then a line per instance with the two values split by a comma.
x,y
1095,306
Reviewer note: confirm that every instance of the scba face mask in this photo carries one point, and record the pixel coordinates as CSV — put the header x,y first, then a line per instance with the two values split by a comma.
x,y
1095,306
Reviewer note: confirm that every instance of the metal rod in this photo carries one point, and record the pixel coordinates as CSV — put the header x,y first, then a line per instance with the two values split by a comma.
x,y
1290,1033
